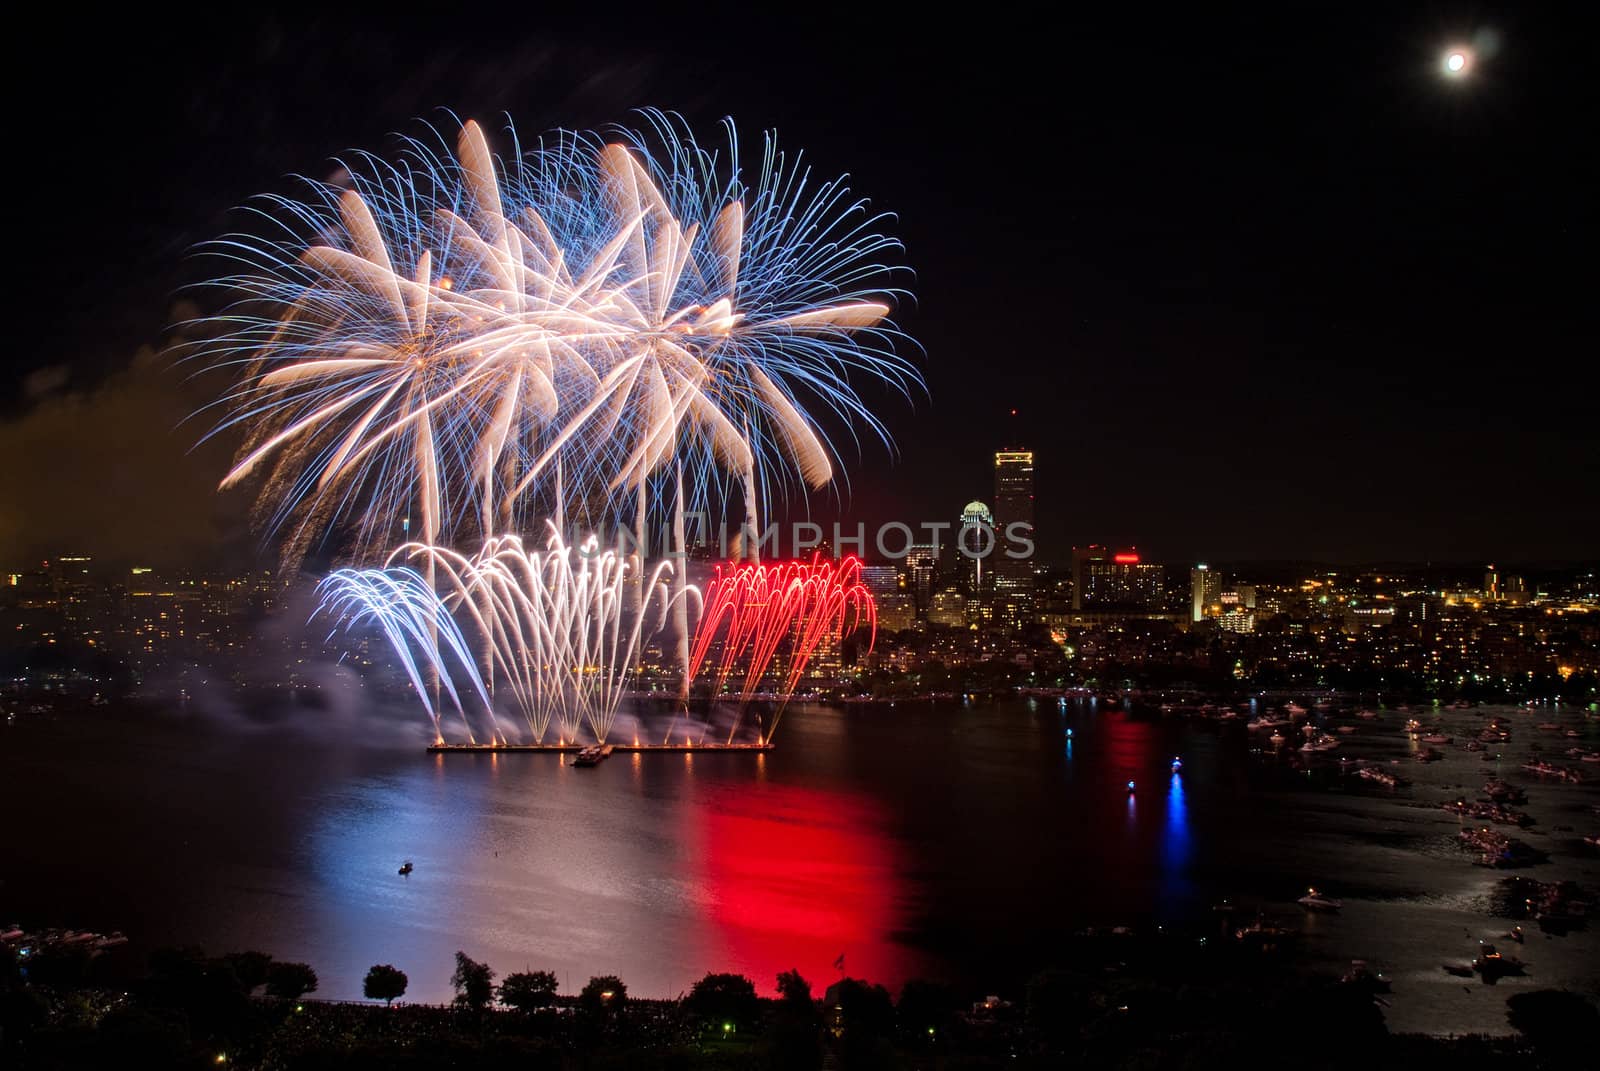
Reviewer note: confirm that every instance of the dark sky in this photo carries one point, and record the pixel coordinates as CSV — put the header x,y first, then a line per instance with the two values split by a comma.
x,y
1261,285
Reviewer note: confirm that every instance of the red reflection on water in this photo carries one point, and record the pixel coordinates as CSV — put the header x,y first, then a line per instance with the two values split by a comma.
x,y
797,877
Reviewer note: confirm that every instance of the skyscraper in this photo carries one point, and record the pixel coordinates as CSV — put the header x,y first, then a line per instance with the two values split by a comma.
x,y
1013,505
1205,589
975,543
922,561
881,579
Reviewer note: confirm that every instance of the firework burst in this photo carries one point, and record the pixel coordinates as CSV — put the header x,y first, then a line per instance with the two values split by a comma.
x,y
468,339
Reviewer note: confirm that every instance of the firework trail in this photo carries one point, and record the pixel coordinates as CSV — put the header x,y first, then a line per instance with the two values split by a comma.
x,y
403,606
442,335
552,625
772,618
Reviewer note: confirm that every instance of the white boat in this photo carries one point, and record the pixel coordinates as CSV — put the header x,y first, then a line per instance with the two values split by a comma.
x,y
1315,901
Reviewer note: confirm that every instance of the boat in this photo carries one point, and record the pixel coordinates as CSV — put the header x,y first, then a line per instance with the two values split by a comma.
x,y
1550,769
1436,738
1365,977
1494,812
1413,725
1367,715
1320,742
1276,739
1346,729
1429,754
406,868
1379,776
1177,764
1491,964
1259,932
1295,710
593,755
1504,792
1315,901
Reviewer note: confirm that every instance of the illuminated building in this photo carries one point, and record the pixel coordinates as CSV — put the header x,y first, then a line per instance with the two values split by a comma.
x,y
975,545
881,580
1205,589
1238,612
1081,556
1116,581
1013,505
896,612
948,608
1491,584
922,563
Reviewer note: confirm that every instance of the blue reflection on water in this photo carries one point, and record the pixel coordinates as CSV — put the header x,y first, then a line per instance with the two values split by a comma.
x,y
1177,845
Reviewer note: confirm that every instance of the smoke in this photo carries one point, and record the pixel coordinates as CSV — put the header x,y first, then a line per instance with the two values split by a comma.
x,y
112,470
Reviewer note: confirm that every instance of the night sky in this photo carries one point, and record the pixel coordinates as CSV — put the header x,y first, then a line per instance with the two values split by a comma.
x,y
1261,287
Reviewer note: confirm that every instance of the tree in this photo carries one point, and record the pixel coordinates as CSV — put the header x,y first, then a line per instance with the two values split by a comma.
x,y
250,968
724,1001
473,983
794,989
384,982
793,1038
1555,1021
290,981
864,1008
604,996
528,991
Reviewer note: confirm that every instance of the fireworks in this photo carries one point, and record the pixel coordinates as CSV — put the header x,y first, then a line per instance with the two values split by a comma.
x,y
590,329
404,607
445,335
772,618
555,624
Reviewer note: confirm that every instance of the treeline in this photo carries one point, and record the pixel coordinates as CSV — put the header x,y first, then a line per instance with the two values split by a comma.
x,y
1124,1003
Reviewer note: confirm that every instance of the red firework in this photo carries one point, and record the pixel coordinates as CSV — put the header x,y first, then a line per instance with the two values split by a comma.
x,y
790,608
